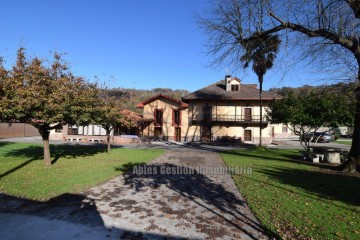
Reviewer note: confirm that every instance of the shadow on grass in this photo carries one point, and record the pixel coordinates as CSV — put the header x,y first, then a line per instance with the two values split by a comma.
x,y
35,152
329,185
322,180
3,144
298,159
196,187
128,167
264,153
291,156
15,168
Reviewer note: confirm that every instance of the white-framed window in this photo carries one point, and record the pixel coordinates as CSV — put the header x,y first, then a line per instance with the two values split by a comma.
x,y
284,128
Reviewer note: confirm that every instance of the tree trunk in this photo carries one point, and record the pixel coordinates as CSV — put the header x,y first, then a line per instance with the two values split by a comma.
x,y
108,140
260,83
45,133
354,155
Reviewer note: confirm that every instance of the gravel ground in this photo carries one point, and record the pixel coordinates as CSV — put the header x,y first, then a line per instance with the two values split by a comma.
x,y
155,205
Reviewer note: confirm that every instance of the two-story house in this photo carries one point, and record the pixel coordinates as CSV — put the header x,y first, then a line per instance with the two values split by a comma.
x,y
225,109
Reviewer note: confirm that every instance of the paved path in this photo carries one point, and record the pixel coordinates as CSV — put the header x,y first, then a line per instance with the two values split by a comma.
x,y
141,206
295,144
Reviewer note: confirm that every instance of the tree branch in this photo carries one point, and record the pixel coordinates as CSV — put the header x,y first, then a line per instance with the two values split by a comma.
x,y
59,125
349,43
355,6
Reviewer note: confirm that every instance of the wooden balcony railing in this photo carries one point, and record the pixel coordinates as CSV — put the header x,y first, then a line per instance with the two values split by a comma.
x,y
223,118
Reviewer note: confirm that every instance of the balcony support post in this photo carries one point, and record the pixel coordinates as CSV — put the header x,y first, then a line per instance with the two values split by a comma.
x,y
216,110
235,113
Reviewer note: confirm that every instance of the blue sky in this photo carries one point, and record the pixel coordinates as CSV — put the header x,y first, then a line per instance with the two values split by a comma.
x,y
140,44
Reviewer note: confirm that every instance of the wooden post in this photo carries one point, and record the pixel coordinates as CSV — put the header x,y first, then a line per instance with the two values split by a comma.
x,y
235,112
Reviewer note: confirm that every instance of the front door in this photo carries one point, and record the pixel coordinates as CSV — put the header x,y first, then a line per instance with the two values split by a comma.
x,y
177,136
247,135
247,114
206,134
157,131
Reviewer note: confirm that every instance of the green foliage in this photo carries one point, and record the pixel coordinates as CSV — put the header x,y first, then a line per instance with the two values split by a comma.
x,y
297,200
76,168
262,53
108,112
313,110
307,113
338,88
45,95
344,142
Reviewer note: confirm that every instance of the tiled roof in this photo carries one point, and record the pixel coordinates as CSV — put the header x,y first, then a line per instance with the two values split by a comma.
x,y
133,116
130,118
217,91
181,103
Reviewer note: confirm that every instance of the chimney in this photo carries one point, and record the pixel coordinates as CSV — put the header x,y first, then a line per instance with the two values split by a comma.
x,y
227,83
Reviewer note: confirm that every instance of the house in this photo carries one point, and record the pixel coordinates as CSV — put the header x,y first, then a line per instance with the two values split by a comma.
x,y
167,118
226,109
124,133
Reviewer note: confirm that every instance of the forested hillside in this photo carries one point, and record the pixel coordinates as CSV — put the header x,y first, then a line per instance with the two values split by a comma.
x,y
131,97
339,88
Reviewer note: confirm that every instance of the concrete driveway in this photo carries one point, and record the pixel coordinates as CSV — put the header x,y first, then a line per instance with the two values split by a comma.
x,y
159,204
294,143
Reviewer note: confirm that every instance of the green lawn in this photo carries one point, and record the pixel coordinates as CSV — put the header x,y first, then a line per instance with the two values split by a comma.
x,y
75,168
295,199
343,142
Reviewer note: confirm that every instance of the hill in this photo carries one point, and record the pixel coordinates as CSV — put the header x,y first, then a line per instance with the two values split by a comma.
x,y
131,97
338,88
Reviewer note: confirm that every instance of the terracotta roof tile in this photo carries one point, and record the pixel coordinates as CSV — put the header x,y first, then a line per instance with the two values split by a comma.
x,y
129,115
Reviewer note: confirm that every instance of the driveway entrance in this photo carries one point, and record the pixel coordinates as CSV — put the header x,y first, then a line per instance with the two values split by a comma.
x,y
173,197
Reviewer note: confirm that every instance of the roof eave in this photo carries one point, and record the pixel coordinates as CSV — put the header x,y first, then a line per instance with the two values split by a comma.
x,y
231,99
181,103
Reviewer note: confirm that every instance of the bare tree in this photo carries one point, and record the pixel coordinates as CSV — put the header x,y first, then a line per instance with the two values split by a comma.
x,y
322,26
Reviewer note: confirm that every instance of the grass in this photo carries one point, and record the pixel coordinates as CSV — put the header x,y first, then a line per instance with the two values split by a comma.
x,y
296,200
75,168
343,142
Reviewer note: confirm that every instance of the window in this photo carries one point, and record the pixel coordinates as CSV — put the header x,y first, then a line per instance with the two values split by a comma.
x,y
207,111
158,117
247,135
157,131
176,117
96,130
72,130
234,87
284,129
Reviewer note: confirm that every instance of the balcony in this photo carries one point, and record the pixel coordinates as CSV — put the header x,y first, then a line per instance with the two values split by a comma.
x,y
221,119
